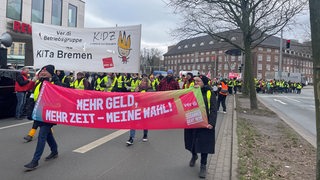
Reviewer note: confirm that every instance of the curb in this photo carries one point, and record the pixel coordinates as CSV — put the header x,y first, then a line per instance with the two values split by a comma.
x,y
223,164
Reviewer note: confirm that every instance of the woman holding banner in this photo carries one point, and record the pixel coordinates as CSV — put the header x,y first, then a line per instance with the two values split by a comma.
x,y
202,140
145,86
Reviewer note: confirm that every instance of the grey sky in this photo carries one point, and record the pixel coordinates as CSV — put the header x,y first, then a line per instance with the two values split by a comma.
x,y
156,19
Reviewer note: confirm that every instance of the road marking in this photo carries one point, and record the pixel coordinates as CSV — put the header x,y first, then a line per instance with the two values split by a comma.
x,y
14,125
99,142
291,99
277,100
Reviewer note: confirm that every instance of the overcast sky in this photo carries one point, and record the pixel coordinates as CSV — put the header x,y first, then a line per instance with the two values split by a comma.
x,y
156,18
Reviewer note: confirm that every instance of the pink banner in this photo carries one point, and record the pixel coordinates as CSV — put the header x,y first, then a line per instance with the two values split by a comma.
x,y
113,110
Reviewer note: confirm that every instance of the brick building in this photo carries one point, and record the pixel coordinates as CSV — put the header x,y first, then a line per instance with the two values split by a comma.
x,y
206,54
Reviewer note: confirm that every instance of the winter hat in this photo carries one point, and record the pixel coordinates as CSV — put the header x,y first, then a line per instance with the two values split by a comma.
x,y
205,80
170,71
49,68
190,74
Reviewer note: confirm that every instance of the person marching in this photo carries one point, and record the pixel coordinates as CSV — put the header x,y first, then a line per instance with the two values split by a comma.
x,y
222,95
168,83
143,87
189,81
202,140
81,82
45,132
22,86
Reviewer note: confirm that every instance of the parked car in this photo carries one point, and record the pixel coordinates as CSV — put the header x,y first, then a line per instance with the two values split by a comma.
x,y
7,95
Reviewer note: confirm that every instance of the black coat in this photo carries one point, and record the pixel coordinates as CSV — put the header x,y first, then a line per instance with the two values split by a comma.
x,y
202,140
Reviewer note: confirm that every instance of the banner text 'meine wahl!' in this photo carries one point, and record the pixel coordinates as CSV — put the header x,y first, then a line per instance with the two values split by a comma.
x,y
150,110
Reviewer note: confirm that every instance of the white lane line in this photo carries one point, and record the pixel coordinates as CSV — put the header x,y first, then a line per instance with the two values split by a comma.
x,y
291,99
277,100
99,142
14,125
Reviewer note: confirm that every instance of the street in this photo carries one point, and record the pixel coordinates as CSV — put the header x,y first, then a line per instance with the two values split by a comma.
x,y
297,110
97,154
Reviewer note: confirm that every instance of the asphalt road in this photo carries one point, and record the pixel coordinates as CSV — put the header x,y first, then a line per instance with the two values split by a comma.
x,y
97,154
298,110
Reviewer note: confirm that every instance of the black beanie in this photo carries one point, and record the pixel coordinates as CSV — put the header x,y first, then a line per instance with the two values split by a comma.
x,y
49,68
205,80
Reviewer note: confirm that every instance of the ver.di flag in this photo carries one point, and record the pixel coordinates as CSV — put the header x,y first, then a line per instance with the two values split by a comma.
x,y
150,110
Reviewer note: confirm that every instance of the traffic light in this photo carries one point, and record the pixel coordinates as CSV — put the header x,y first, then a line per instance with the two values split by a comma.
x,y
240,69
288,44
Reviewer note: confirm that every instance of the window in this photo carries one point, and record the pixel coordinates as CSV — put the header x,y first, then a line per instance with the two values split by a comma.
x,y
72,16
14,9
12,49
202,43
186,46
268,50
276,68
225,67
56,12
259,66
37,11
193,45
21,49
179,47
276,59
259,76
211,42
260,49
259,57
268,58
268,67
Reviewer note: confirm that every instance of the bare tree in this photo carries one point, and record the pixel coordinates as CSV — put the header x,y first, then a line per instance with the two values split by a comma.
x,y
150,58
256,20
315,39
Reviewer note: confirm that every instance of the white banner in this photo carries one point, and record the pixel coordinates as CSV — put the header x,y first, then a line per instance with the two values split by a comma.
x,y
114,49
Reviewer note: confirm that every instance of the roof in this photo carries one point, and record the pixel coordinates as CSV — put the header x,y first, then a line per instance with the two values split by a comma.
x,y
207,43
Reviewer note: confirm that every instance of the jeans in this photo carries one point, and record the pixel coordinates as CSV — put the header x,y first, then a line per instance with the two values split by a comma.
x,y
133,133
21,100
45,135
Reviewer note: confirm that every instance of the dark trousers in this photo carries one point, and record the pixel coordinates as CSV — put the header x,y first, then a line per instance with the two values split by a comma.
x,y
222,101
204,157
45,135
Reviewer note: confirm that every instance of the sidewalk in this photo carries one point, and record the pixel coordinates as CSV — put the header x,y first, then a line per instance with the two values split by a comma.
x,y
223,164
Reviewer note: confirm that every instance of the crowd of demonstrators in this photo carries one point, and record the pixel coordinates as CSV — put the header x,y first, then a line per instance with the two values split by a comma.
x,y
203,138
277,86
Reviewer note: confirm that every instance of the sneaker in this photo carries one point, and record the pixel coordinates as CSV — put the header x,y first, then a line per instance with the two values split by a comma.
x,y
130,141
224,112
145,138
31,165
51,156
28,138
